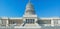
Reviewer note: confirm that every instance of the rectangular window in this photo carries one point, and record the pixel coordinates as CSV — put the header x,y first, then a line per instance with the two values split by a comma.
x,y
44,21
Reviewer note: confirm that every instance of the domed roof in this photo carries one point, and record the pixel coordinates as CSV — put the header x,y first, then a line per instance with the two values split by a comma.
x,y
29,5
29,8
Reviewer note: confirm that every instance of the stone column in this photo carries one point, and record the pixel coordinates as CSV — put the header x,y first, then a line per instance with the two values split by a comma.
x,y
52,22
7,22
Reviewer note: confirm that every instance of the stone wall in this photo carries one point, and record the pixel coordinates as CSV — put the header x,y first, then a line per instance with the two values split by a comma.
x,y
56,27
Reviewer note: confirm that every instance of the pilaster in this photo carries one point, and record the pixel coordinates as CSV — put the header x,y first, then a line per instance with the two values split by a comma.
x,y
52,22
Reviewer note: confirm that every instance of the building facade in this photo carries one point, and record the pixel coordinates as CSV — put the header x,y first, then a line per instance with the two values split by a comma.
x,y
29,20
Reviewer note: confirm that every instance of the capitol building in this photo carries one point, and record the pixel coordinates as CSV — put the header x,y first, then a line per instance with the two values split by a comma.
x,y
29,21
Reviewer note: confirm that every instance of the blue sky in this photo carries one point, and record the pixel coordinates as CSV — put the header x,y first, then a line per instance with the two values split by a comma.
x,y
43,8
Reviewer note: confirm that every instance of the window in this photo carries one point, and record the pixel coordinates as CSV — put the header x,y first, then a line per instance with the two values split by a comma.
x,y
44,21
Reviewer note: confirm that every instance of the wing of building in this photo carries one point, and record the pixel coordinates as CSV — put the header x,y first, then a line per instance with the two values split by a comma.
x,y
29,20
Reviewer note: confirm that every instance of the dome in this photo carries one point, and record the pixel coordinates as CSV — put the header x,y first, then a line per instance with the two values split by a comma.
x,y
29,9
29,5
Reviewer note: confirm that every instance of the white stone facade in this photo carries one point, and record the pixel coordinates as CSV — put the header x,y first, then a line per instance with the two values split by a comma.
x,y
29,20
